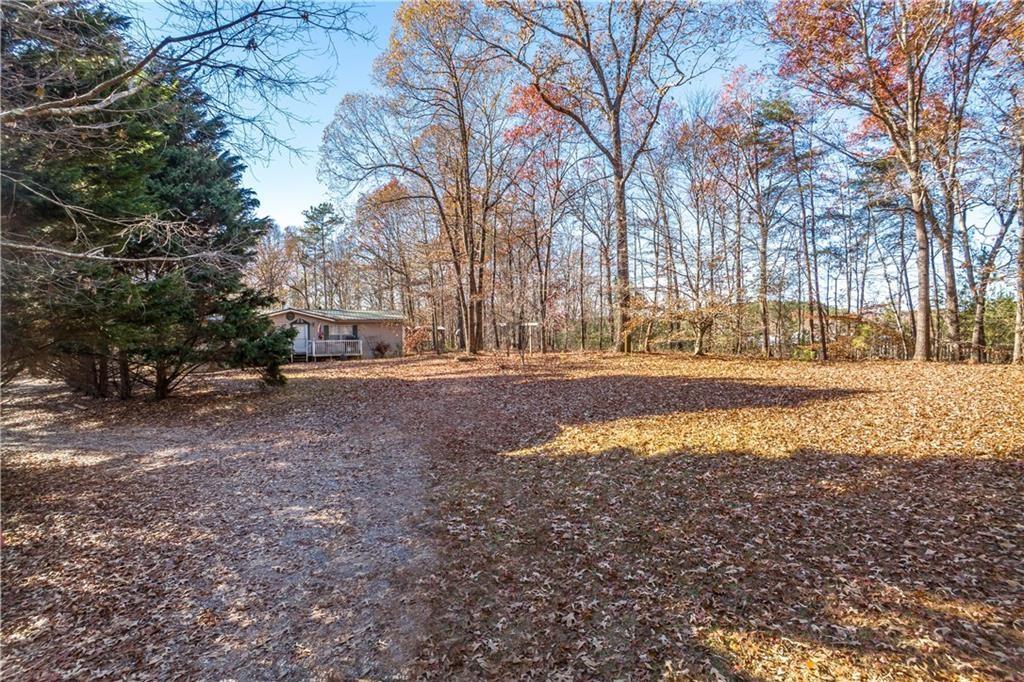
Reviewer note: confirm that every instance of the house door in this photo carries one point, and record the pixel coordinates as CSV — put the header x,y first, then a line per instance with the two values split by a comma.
x,y
300,344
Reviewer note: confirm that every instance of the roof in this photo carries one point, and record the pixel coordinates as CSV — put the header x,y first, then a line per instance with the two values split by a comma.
x,y
342,315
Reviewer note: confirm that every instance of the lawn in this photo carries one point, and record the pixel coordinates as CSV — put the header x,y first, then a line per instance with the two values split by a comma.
x,y
579,517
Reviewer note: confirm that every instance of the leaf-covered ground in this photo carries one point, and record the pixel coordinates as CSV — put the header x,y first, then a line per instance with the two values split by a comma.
x,y
582,517
231,534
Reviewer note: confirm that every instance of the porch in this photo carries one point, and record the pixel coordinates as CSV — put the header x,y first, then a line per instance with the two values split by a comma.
x,y
313,349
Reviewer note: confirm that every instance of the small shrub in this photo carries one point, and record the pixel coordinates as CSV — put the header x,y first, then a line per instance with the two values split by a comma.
x,y
805,353
381,349
415,339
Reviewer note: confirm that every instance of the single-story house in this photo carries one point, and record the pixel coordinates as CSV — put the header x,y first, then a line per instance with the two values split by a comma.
x,y
342,333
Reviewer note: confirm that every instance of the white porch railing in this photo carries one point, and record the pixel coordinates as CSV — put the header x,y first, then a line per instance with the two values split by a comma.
x,y
335,348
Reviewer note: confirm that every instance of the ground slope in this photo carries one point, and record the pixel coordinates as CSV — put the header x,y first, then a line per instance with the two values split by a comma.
x,y
573,517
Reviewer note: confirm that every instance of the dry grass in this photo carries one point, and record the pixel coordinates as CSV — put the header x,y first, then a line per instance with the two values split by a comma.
x,y
601,517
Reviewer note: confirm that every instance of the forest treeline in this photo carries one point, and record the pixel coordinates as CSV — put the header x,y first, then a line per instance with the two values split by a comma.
x,y
612,175
793,179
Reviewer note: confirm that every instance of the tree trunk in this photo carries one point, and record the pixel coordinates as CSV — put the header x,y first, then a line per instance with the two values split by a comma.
x,y
762,289
922,342
701,329
460,327
822,325
978,333
738,256
1018,328
583,316
494,287
102,376
810,282
936,318
609,294
622,337
912,162
478,329
124,377
161,386
951,310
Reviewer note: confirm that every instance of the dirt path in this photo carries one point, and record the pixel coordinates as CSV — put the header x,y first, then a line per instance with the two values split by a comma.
x,y
269,536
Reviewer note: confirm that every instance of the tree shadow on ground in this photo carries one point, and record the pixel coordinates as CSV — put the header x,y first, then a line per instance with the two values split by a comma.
x,y
818,565
496,413
178,522
493,410
588,566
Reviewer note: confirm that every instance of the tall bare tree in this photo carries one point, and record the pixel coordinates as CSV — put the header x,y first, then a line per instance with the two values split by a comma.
x,y
609,68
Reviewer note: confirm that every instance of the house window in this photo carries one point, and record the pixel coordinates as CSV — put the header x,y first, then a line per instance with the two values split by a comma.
x,y
337,332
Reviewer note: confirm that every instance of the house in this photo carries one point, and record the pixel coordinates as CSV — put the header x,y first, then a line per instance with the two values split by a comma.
x,y
342,333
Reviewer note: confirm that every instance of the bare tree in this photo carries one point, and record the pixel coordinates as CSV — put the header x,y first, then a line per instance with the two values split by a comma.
x,y
609,68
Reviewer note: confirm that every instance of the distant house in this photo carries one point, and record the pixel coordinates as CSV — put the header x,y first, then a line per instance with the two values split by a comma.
x,y
342,333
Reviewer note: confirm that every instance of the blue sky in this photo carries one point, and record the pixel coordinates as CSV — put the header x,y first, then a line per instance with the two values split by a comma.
x,y
287,185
